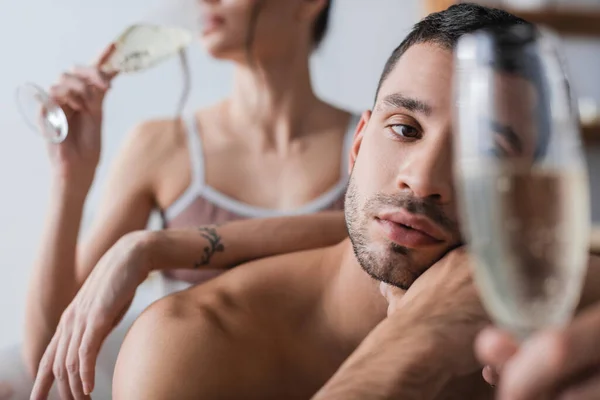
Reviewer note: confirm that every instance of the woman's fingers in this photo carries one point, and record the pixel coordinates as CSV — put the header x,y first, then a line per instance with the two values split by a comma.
x,y
45,376
60,368
103,59
74,84
93,77
71,91
97,329
73,363
105,55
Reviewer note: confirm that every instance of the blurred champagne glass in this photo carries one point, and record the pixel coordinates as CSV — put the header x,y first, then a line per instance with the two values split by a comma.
x,y
522,179
165,32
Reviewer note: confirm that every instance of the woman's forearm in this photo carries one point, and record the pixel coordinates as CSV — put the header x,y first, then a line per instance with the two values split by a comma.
x,y
231,244
53,282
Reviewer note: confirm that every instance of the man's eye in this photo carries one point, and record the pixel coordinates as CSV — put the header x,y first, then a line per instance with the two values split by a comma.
x,y
406,131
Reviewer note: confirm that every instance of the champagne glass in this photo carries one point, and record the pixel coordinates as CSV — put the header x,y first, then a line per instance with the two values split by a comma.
x,y
139,47
521,176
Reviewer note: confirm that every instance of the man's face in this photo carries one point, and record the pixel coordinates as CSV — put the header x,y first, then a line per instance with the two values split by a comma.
x,y
400,205
512,119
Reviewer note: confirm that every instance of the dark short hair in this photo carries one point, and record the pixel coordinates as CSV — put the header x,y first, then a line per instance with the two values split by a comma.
x,y
321,24
444,28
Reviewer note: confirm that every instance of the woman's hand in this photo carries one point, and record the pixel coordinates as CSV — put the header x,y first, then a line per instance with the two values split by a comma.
x,y
80,93
98,307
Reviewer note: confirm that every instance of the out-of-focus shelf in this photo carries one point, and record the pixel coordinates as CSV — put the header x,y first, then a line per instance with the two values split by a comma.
x,y
432,6
591,134
582,21
566,21
595,240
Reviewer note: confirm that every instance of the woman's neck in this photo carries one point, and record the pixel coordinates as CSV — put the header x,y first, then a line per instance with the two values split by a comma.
x,y
271,100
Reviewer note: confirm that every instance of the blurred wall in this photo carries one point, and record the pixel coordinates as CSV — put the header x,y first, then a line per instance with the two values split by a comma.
x,y
38,39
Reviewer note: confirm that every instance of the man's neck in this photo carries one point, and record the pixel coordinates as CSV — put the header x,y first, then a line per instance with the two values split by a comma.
x,y
354,306
353,303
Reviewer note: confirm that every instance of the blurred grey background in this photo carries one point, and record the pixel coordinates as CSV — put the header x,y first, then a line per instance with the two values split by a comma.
x,y
41,38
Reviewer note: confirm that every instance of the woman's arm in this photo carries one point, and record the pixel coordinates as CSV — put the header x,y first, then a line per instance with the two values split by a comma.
x,y
234,243
62,263
109,290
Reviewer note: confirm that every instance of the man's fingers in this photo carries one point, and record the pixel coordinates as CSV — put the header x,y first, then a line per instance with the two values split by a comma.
x,y
490,375
588,389
552,358
392,294
534,369
494,348
45,376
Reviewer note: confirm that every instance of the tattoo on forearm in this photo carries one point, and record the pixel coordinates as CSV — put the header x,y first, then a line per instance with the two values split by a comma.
x,y
214,245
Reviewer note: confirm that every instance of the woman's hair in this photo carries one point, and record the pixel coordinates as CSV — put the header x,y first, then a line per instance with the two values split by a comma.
x,y
318,32
321,24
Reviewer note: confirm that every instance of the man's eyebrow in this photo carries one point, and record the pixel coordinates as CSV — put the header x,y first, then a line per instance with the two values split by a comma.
x,y
509,135
398,100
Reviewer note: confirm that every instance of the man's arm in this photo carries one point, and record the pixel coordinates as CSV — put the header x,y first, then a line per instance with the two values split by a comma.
x,y
424,349
396,360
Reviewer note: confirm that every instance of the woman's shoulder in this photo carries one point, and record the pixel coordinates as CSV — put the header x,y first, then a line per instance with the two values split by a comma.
x,y
156,138
159,131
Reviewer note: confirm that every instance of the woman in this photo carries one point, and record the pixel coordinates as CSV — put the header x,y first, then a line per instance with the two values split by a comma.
x,y
271,148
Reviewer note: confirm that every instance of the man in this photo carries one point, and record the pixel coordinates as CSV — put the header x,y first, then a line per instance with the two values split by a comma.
x,y
314,323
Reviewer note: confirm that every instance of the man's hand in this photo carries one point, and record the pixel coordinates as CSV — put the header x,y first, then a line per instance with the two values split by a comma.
x,y
424,347
557,364
444,303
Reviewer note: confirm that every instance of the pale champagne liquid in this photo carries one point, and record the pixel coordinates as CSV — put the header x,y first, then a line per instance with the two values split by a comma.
x,y
529,232
143,46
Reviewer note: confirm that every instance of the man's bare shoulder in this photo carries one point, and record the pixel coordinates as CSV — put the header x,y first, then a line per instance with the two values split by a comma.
x,y
225,338
177,350
292,280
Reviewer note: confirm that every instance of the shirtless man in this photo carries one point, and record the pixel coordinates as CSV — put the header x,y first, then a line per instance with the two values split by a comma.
x,y
314,323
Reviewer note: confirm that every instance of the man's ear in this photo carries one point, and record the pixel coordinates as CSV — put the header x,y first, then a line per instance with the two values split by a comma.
x,y
358,137
310,9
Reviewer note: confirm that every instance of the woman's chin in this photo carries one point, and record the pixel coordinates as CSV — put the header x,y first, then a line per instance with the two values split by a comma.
x,y
220,50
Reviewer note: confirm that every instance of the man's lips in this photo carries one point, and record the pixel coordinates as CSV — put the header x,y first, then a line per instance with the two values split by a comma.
x,y
410,230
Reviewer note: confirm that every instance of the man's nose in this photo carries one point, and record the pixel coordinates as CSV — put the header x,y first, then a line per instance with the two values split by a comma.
x,y
427,172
